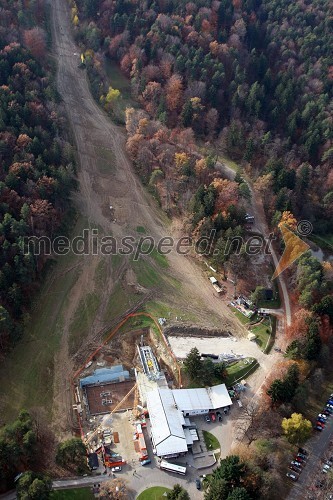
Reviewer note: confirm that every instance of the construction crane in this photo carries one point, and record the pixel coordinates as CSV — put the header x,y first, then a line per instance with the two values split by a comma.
x,y
136,412
96,431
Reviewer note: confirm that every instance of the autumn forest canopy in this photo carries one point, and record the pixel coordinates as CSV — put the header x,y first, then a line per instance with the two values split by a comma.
x,y
36,162
253,76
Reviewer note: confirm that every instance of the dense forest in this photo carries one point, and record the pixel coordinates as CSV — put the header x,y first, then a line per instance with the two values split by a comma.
x,y
253,80
254,77
36,163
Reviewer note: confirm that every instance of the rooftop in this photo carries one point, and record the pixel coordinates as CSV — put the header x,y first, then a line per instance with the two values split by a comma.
x,y
166,423
209,398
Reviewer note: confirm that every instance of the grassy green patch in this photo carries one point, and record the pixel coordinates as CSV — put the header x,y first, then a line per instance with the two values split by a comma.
x,y
105,160
262,332
154,493
139,322
119,301
116,260
227,161
100,273
243,319
270,304
26,373
146,274
118,81
160,259
83,319
141,229
162,310
72,494
211,441
240,369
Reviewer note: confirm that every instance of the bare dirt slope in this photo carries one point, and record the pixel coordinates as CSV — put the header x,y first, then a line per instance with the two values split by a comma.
x,y
94,133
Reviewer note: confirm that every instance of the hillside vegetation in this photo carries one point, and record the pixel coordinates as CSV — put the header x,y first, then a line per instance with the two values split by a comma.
x,y
36,162
254,77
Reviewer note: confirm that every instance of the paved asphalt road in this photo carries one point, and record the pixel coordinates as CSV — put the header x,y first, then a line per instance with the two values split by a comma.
x,y
142,479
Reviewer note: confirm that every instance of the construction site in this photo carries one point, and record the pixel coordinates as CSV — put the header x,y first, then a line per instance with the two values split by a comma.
x,y
133,410
107,391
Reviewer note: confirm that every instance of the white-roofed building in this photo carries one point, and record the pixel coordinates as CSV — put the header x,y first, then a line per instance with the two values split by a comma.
x,y
168,409
219,396
167,423
192,401
201,401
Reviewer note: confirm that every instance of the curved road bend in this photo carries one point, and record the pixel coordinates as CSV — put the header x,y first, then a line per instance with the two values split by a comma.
x,y
261,224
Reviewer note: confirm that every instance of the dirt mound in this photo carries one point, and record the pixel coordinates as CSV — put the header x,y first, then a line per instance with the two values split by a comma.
x,y
194,331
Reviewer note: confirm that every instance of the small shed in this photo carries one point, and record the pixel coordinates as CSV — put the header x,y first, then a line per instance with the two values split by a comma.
x,y
251,336
93,461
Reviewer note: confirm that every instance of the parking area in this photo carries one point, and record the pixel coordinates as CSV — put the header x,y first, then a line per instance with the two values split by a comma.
x,y
199,463
315,481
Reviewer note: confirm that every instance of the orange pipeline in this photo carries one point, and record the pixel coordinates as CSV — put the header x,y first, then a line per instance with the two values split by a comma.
x,y
109,337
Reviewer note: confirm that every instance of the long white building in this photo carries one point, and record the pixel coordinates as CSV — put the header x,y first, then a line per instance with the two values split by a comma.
x,y
168,408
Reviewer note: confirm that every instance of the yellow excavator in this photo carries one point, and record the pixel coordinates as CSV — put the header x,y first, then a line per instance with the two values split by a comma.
x,y
82,64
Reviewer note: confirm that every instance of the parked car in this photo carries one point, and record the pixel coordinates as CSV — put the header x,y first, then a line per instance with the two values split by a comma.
x,y
144,457
321,420
303,451
326,468
299,459
295,469
212,417
219,416
198,484
146,462
296,464
291,476
320,424
302,455
116,469
317,428
322,415
207,419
